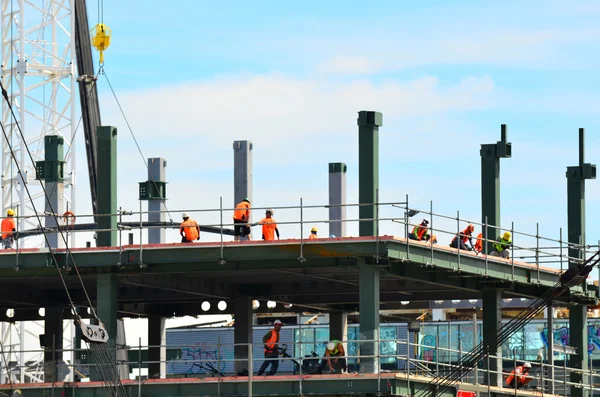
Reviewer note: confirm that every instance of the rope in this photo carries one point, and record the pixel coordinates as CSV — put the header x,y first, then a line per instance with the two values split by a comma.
x,y
135,140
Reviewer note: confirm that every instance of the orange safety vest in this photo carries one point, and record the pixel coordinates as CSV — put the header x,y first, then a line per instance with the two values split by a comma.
x,y
268,228
418,232
189,227
464,235
312,236
242,212
521,380
8,224
479,243
271,342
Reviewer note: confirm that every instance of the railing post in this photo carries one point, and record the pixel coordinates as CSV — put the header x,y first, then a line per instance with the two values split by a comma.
x,y
515,367
565,374
302,259
140,367
537,250
219,366
437,351
512,250
561,250
431,228
141,234
485,244
458,238
460,359
222,261
489,377
377,226
250,369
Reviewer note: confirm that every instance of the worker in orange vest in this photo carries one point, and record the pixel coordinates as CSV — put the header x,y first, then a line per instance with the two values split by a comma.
x,y
520,375
459,241
271,339
189,229
313,233
479,243
241,220
269,226
8,226
419,233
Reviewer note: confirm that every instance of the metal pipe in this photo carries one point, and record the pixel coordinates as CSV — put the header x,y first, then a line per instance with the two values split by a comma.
x,y
301,233
218,366
250,369
431,228
537,250
512,250
485,245
377,226
140,367
458,239
222,261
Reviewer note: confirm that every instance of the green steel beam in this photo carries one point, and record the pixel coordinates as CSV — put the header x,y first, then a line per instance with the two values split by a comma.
x,y
107,186
368,169
492,321
490,184
51,169
576,177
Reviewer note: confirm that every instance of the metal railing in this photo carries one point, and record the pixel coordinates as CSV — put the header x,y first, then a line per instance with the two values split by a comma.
x,y
391,218
218,364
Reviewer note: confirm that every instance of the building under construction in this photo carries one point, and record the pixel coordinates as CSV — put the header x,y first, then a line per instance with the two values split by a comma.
x,y
369,274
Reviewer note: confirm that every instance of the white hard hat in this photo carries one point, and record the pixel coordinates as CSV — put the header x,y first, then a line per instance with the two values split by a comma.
x,y
277,322
185,215
330,346
526,365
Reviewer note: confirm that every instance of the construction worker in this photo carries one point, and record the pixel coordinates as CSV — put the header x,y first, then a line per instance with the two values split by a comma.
x,y
520,375
241,220
8,227
271,339
459,241
432,238
189,229
334,357
269,226
479,243
419,233
501,247
313,233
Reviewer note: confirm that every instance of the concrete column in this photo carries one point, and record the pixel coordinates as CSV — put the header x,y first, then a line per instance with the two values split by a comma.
x,y
492,322
338,327
157,208
53,341
578,333
242,170
337,198
490,184
157,336
369,317
368,169
107,186
438,315
242,330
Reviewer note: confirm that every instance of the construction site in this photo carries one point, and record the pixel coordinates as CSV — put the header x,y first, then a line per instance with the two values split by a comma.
x,y
415,316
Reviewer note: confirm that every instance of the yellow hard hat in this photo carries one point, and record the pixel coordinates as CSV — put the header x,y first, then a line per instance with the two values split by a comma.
x,y
314,230
506,236
10,212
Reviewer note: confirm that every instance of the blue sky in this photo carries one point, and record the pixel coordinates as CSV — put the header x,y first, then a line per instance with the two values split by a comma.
x,y
196,75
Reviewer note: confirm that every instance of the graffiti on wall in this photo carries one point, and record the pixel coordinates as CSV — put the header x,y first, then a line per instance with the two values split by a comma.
x,y
197,360
561,337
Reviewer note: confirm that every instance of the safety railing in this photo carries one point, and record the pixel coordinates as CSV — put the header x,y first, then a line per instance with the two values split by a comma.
x,y
220,362
296,221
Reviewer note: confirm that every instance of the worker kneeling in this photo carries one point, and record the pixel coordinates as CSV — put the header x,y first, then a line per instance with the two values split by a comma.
x,y
520,376
501,247
334,358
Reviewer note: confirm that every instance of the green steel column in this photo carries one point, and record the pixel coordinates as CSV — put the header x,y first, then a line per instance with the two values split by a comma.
x,y
368,185
490,183
578,335
492,321
368,168
107,186
106,283
369,317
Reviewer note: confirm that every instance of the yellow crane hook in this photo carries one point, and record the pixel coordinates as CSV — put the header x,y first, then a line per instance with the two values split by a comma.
x,y
101,39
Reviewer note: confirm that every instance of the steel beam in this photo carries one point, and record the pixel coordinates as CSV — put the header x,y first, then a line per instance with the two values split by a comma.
x,y
337,199
157,207
576,177
242,170
242,331
157,350
490,184
107,186
492,322
368,169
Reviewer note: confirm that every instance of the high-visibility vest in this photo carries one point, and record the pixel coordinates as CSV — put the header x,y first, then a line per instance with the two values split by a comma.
x,y
189,228
312,236
479,243
335,351
8,224
419,232
271,342
499,246
242,212
520,379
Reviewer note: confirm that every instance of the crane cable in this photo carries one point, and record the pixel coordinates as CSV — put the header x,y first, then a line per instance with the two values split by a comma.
x,y
52,210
